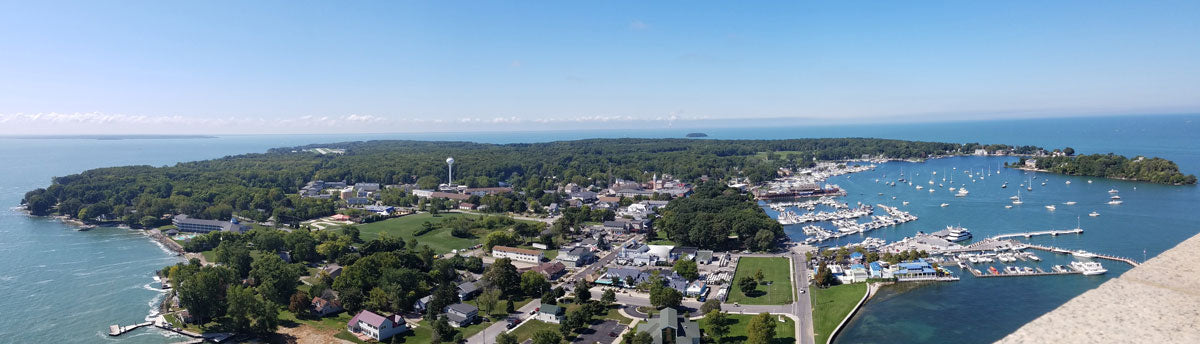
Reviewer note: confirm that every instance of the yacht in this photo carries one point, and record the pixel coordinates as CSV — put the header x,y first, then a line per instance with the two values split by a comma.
x,y
1011,270
1115,200
957,233
1093,214
1070,202
1068,182
962,192
931,190
1089,268
1050,207
1083,254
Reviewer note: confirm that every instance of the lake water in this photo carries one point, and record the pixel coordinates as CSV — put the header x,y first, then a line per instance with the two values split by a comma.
x,y
67,287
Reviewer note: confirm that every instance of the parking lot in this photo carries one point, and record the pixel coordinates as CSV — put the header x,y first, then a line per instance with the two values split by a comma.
x,y
606,332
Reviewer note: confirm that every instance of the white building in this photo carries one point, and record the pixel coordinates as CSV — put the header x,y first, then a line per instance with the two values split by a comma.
x,y
376,326
517,254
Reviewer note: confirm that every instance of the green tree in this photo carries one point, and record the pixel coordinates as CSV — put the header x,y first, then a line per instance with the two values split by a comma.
x,y
687,269
442,331
488,300
427,183
503,275
582,293
712,304
761,329
758,276
235,255
203,293
718,324
276,279
764,240
609,297
748,285
534,284
251,313
506,338
662,296
300,304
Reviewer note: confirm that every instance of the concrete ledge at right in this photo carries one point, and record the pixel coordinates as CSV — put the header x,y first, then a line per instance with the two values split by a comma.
x,y
1156,302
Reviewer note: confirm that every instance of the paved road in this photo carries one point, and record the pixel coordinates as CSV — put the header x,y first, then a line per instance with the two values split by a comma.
x,y
802,308
488,335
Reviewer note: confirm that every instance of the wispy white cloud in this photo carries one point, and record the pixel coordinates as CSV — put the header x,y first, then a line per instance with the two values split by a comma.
x,y
638,25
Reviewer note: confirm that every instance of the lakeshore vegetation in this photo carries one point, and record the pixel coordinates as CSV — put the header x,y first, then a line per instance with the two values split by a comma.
x,y
1154,170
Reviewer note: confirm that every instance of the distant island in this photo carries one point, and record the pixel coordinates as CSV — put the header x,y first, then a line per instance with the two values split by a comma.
x,y
108,137
697,135
1154,170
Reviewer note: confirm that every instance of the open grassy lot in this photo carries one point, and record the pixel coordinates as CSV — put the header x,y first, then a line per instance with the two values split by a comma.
x,y
526,331
830,306
785,332
777,287
403,227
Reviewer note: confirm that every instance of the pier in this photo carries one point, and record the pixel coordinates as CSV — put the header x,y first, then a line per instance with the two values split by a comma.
x,y
1125,260
978,273
117,330
1033,234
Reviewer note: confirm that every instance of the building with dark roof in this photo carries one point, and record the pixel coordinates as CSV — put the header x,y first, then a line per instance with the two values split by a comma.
x,y
461,314
671,327
187,224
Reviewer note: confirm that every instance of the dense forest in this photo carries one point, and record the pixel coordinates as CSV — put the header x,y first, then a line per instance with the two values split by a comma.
x,y
263,185
1154,170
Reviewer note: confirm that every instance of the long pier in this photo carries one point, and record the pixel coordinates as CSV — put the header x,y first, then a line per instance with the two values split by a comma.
x,y
978,273
1033,234
1125,260
117,330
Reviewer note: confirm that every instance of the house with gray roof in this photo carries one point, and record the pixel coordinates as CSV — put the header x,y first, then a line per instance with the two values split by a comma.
x,y
578,256
671,327
467,291
461,314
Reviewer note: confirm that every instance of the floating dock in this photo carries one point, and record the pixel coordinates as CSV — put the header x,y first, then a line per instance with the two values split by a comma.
x,y
1033,234
978,273
1125,260
117,330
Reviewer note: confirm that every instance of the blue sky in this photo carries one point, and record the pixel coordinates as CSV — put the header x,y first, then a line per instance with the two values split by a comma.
x,y
285,67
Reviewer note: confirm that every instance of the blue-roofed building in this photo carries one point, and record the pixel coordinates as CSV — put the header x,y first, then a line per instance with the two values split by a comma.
x,y
857,273
915,271
876,270
856,256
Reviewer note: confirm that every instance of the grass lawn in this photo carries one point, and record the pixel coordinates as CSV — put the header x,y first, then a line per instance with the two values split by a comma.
x,y
499,311
526,330
403,227
785,332
831,305
777,275
209,256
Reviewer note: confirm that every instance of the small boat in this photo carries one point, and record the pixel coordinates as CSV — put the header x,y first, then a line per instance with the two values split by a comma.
x,y
1089,268
904,203
1070,202
1089,181
1050,207
1008,207
1112,191
920,187
1093,214
992,269
1004,186
945,205
931,190
1068,182
1083,254
962,192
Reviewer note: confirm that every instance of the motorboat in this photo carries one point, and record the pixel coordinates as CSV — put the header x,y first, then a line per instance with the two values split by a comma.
x,y
957,233
1083,254
1050,207
1068,182
962,192
1112,191
904,203
1008,207
1089,181
1089,268
1070,202
945,205
1093,214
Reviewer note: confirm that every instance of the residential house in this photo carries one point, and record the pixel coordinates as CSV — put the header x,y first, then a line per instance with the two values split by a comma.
x,y
322,307
333,270
578,256
466,206
376,326
461,314
467,291
696,288
550,313
671,327
517,254
551,270
422,303
1031,163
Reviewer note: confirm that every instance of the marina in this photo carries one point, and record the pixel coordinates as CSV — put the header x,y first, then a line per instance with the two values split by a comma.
x,y
1033,234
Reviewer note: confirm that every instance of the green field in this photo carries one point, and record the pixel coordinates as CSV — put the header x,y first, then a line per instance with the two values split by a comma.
x,y
403,227
776,275
526,330
831,305
785,332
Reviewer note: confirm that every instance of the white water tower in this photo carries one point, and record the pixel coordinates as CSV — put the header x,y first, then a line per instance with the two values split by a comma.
x,y
450,171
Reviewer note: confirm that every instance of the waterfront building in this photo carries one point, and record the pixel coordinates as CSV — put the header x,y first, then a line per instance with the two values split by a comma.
x,y
187,224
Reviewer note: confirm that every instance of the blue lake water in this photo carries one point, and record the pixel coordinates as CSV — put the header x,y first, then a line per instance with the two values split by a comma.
x,y
67,287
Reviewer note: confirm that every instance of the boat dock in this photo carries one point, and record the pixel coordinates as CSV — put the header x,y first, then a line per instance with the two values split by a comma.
x,y
117,330
1125,260
1033,234
978,273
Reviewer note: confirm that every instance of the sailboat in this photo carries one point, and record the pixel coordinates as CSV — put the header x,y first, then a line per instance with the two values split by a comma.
x,y
1017,199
